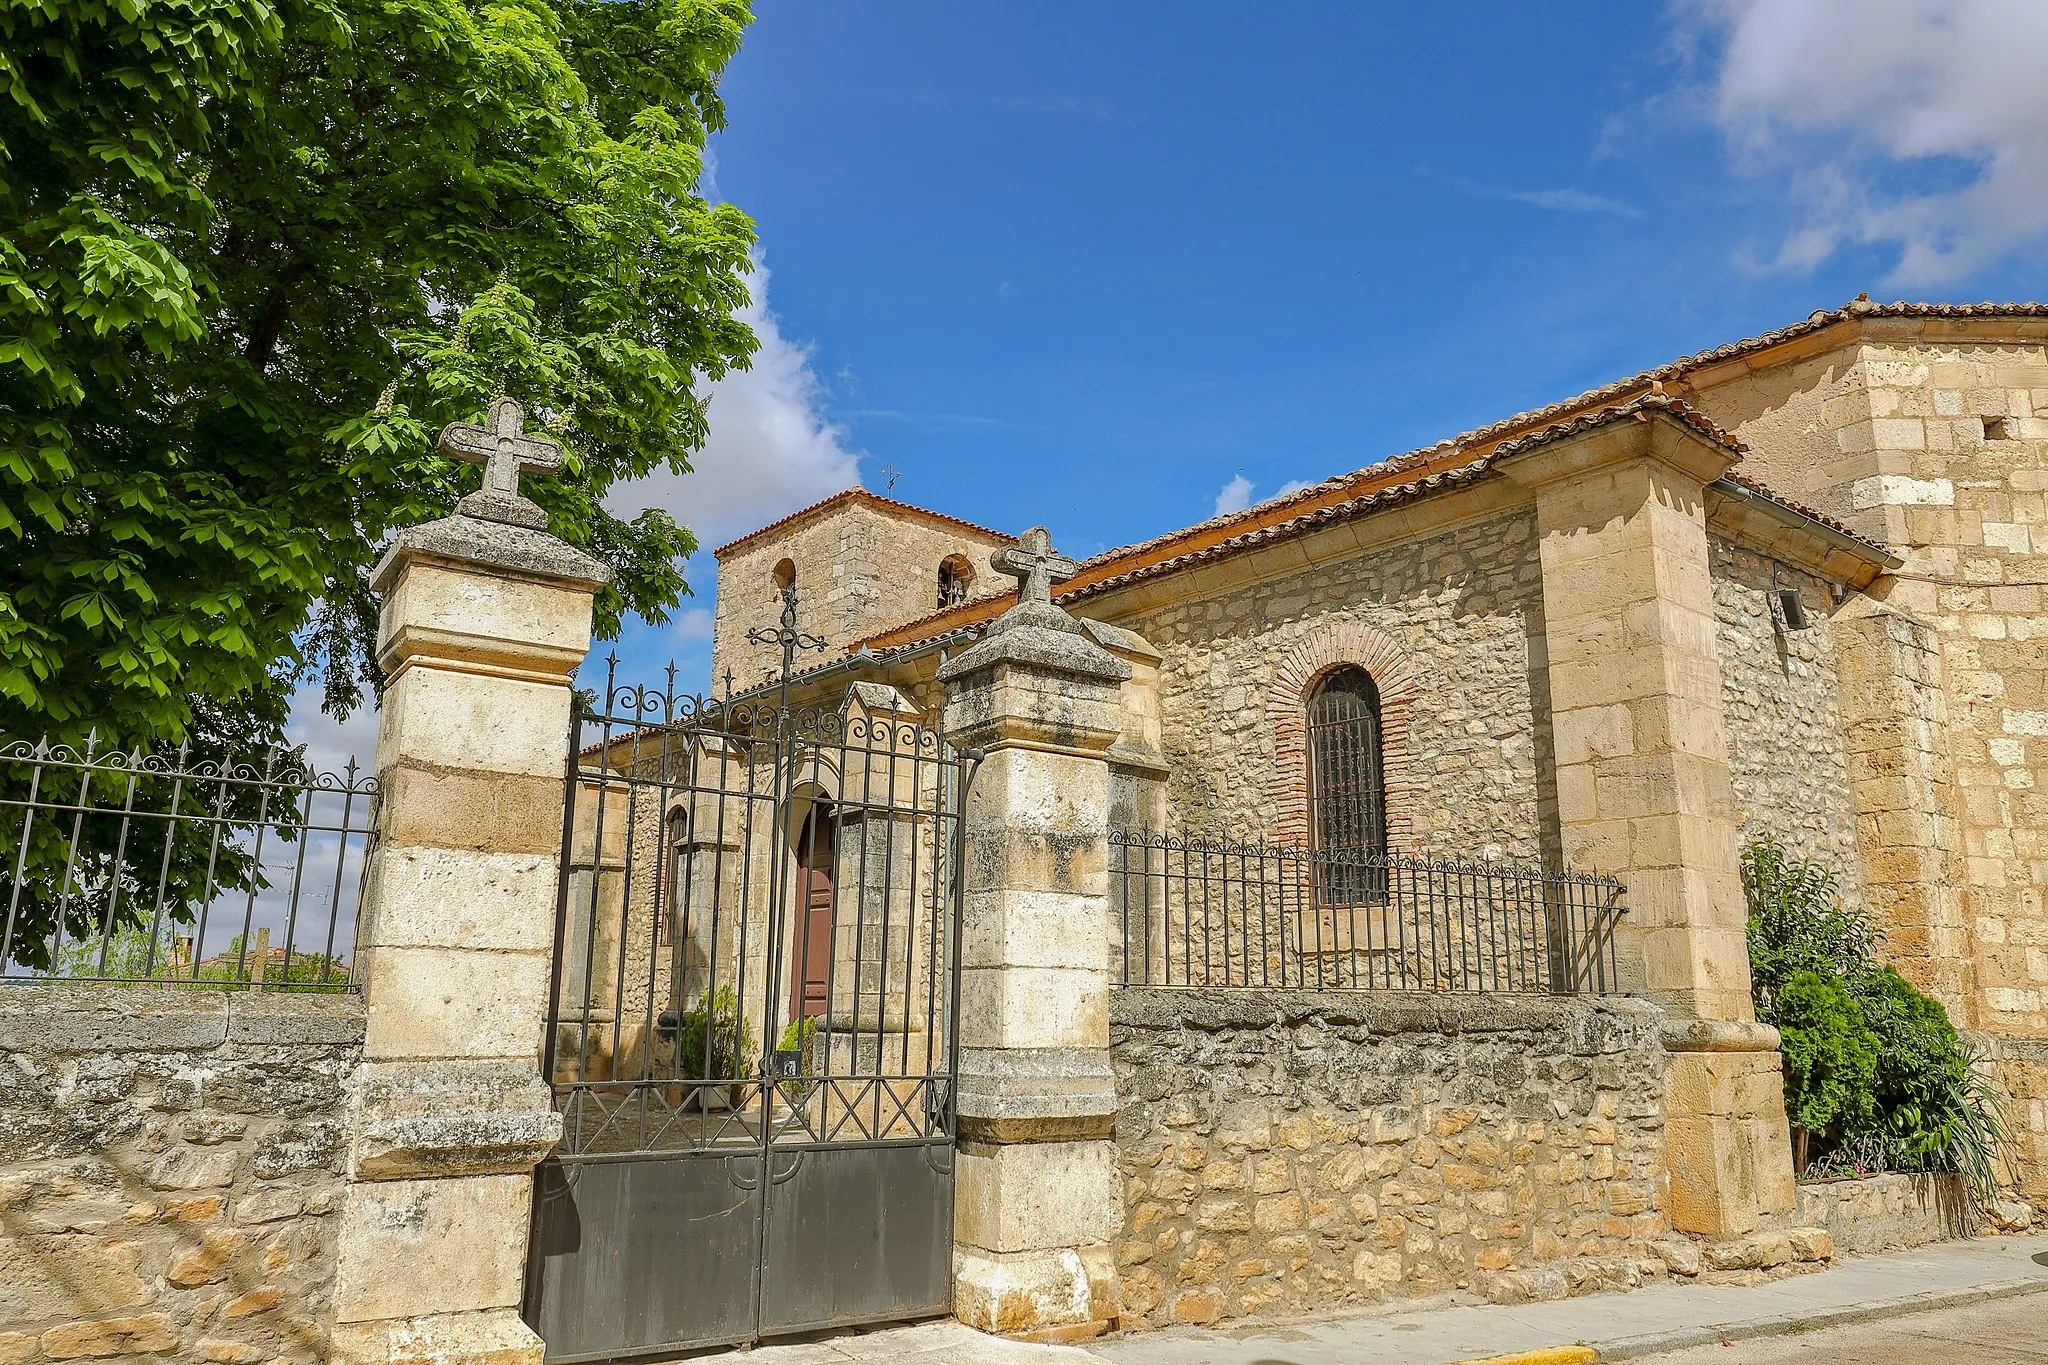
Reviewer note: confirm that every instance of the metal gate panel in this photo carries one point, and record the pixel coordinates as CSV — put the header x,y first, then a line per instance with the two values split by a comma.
x,y
631,1257
859,1234
756,1141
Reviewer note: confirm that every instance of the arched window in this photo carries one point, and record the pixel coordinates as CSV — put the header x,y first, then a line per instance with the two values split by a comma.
x,y
1348,785
956,576
785,575
673,909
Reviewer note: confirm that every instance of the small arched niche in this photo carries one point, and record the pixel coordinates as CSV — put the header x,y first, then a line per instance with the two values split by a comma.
x,y
785,575
956,580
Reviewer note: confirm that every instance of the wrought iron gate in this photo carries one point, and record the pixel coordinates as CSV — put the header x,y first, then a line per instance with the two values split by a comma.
x,y
751,1040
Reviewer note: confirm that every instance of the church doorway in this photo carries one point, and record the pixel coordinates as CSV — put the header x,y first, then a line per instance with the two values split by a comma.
x,y
810,964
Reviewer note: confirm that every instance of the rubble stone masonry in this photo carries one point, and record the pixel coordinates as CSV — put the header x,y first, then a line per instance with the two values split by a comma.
x,y
1287,1152
170,1172
1457,606
1786,751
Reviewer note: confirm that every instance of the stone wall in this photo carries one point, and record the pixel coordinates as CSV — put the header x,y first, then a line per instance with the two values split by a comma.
x,y
1787,753
1940,436
170,1168
1283,1152
1931,435
1458,605
1886,1212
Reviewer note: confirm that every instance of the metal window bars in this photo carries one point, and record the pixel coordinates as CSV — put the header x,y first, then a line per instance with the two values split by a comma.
x,y
180,868
1217,913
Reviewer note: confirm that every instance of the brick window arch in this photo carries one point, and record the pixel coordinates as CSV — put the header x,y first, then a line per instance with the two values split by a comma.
x,y
1347,783
1324,656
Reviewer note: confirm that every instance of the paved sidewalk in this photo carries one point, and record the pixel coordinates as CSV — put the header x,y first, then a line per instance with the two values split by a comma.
x,y
1620,1326
2011,1331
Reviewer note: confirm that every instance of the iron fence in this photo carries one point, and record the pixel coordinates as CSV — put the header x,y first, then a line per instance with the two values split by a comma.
x,y
179,867
1220,913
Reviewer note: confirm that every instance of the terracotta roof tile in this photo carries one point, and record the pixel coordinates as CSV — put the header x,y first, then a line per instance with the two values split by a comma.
x,y
1092,579
1457,457
1670,372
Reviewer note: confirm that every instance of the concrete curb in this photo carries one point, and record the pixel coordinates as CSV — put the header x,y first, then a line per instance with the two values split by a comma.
x,y
1542,1355
1630,1348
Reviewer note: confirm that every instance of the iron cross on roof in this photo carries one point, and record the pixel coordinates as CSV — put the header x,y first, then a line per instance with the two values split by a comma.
x,y
1034,564
788,637
505,451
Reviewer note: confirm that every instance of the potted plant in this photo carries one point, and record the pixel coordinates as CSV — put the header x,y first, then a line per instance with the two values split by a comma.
x,y
713,1044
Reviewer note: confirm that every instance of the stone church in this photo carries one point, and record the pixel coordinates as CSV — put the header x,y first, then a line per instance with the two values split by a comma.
x,y
1790,585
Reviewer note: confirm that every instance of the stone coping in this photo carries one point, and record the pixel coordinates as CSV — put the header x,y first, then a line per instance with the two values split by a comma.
x,y
470,543
1381,1011
78,1017
1719,1035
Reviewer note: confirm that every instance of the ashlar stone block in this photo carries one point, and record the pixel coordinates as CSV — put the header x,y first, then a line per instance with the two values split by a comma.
x,y
418,1248
1035,1196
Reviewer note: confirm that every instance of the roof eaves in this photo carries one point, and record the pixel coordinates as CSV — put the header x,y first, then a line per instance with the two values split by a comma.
x,y
1669,372
1877,551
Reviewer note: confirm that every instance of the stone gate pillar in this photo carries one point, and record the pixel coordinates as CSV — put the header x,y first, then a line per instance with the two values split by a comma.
x,y
485,618
1643,786
1036,1196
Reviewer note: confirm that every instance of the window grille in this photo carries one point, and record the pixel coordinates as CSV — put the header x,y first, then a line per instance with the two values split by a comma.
x,y
1348,786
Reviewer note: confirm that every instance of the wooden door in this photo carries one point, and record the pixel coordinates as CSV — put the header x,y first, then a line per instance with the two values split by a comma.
x,y
810,966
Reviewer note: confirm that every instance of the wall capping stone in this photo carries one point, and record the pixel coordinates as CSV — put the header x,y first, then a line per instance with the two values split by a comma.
x,y
1380,1011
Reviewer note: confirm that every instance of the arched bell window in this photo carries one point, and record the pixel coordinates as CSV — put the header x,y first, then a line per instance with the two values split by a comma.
x,y
1348,785
956,578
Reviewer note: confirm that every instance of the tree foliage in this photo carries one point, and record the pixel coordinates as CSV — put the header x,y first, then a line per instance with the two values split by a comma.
x,y
254,253
1830,1055
1875,1073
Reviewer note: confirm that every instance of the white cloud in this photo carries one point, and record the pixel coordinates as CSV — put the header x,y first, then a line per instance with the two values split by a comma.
x,y
1234,497
1572,200
771,449
1565,199
1841,100
331,743
692,623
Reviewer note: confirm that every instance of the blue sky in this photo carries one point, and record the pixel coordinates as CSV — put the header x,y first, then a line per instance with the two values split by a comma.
x,y
1098,265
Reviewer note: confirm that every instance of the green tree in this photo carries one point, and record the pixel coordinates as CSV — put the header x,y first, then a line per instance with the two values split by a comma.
x,y
253,254
1830,1059
1873,1066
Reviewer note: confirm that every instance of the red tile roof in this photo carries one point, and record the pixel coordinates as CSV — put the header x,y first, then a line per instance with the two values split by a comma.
x,y
1448,463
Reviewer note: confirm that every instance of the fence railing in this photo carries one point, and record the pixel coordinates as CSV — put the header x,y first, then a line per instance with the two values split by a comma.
x,y
1223,914
180,868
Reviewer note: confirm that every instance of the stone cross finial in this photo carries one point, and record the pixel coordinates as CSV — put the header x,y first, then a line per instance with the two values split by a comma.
x,y
1035,565
505,451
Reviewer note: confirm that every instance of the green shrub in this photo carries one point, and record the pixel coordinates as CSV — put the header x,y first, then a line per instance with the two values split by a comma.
x,y
1830,1056
1797,922
797,1038
713,1042
1876,1076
